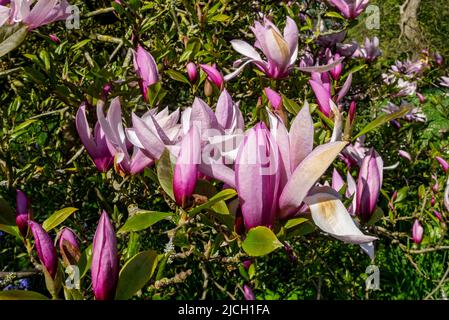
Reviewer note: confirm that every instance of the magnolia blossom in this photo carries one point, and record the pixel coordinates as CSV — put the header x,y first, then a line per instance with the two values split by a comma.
x,y
192,72
213,75
415,114
96,145
23,212
350,9
45,249
353,154
146,69
275,173
370,51
322,87
274,98
443,163
43,12
369,183
417,232
105,267
280,49
117,141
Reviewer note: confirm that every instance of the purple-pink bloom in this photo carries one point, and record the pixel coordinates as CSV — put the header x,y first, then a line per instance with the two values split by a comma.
x,y
369,183
45,249
338,69
274,98
280,49
350,9
55,38
146,69
96,145
352,111
417,232
23,212
185,173
42,13
370,51
248,293
192,72
213,75
105,267
443,163
117,141
257,178
69,247
438,215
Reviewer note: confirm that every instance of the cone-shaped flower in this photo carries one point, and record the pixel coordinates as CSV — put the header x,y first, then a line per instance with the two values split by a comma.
x,y
45,249
369,183
321,86
405,155
118,142
146,69
69,247
280,49
248,293
417,232
274,98
185,173
105,268
96,145
213,75
338,69
257,177
23,212
443,163
331,216
192,72
350,9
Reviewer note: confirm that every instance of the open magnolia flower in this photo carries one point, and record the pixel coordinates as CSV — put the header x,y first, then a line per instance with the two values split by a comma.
x,y
118,143
276,170
281,50
42,13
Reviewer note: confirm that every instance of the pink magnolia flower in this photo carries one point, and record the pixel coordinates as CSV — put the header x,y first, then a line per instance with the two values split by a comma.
x,y
417,232
146,69
350,9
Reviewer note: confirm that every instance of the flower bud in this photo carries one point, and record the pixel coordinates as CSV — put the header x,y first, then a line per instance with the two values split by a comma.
x,y
23,212
69,248
417,232
45,249
192,72
248,293
443,163
105,268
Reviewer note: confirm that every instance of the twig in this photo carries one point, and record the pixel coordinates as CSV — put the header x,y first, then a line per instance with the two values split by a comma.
x,y
98,12
20,274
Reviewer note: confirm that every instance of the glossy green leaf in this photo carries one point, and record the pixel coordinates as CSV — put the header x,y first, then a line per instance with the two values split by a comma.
x,y
294,222
135,274
143,220
383,119
178,76
290,105
260,241
57,218
164,170
221,196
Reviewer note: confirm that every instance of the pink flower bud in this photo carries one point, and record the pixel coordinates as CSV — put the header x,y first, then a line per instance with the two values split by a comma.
x,y
443,163
192,72
417,232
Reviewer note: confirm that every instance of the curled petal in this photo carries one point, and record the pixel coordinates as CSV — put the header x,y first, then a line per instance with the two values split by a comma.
x,y
331,216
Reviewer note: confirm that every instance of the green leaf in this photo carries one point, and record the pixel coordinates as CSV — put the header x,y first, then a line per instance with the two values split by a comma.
x,y
260,241
221,196
80,44
333,14
57,218
383,119
177,76
21,295
135,274
220,18
142,220
7,214
164,171
294,222
12,230
11,36
290,105
377,215
85,261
